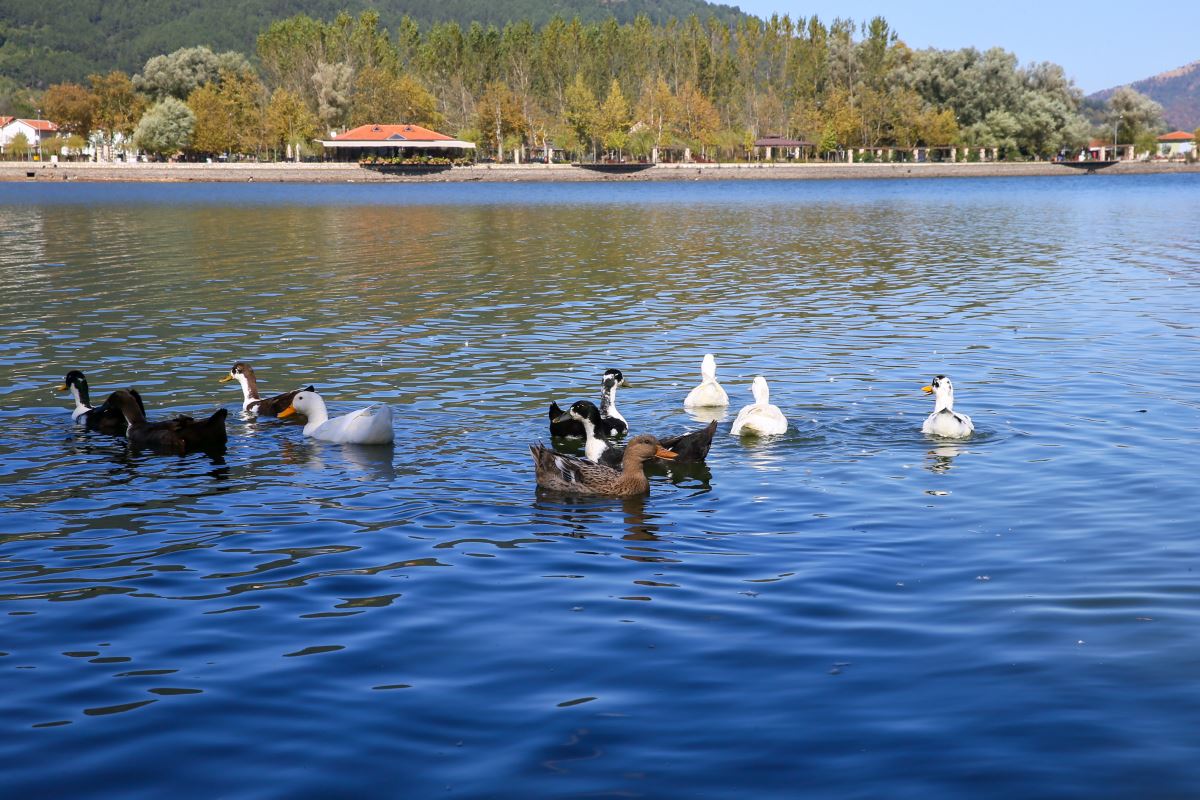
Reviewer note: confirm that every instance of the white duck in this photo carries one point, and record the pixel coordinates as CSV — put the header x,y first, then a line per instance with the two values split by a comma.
x,y
370,425
760,416
709,393
945,421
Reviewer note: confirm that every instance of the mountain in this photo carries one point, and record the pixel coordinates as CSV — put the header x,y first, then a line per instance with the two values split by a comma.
x,y
50,41
1178,91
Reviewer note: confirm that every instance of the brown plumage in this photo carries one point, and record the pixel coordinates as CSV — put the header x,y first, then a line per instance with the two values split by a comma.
x,y
104,418
573,475
243,373
182,434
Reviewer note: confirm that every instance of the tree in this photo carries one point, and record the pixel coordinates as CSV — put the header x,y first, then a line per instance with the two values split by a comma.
x,y
381,95
118,107
180,73
698,120
291,124
614,119
18,147
581,112
657,111
1131,114
500,117
166,128
334,84
71,107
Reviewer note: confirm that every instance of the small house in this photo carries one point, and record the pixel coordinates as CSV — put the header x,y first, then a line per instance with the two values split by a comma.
x,y
393,141
35,131
1176,144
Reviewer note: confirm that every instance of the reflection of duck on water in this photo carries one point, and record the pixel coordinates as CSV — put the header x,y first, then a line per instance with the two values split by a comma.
x,y
942,457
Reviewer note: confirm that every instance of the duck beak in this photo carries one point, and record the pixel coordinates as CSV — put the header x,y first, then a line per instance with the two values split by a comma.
x,y
563,417
62,387
663,452
287,412
625,384
927,389
226,378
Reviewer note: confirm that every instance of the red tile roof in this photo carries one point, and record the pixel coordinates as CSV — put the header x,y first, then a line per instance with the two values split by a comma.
x,y
36,124
391,133
1177,136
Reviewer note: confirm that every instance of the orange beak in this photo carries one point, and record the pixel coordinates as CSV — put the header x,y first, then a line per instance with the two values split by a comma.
x,y
927,389
62,387
287,412
663,452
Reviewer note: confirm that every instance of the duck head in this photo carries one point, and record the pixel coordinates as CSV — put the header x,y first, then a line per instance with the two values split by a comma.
x,y
310,404
582,411
942,391
243,373
128,405
613,378
644,447
708,368
762,395
77,385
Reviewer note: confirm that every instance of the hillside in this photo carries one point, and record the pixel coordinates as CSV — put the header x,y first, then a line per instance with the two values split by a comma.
x,y
49,41
1178,91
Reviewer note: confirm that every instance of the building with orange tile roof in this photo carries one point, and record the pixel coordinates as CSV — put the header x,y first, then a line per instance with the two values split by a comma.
x,y
1176,144
36,131
393,141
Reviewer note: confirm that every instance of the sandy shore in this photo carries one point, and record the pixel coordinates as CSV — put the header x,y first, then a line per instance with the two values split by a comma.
x,y
352,173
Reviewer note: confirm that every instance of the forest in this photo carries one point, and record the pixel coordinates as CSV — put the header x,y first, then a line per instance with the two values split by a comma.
x,y
591,88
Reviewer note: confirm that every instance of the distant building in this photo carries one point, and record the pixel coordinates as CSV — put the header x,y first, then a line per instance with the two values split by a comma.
x,y
1176,144
36,131
393,141
1104,150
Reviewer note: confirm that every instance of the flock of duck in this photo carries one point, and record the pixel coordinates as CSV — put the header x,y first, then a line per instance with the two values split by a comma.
x,y
604,469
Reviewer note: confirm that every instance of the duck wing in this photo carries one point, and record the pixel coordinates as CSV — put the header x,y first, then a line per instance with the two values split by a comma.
x,y
566,473
610,427
568,427
272,406
107,417
692,446
205,434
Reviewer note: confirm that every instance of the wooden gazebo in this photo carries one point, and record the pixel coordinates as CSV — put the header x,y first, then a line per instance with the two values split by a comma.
x,y
765,148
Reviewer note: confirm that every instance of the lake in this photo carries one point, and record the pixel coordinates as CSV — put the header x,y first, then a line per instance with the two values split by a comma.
x,y
851,609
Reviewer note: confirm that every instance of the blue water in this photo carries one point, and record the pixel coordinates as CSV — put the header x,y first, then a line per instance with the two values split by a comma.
x,y
849,610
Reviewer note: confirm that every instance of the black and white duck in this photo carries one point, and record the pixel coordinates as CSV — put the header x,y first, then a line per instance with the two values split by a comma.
x,y
105,418
252,402
181,434
945,421
691,447
611,421
574,475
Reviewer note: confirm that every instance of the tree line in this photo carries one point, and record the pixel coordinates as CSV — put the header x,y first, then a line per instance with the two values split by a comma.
x,y
591,88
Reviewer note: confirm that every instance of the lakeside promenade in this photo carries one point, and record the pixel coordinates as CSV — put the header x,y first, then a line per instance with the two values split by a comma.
x,y
352,173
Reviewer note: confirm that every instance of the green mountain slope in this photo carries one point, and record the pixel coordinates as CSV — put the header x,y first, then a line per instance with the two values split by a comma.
x,y
1177,91
49,41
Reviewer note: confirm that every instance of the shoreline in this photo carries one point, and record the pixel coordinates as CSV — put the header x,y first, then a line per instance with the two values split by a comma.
x,y
119,172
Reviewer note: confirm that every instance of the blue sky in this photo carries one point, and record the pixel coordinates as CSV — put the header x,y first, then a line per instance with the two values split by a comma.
x,y
1100,43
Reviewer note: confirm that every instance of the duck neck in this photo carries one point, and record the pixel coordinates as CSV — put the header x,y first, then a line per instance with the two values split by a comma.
x,y
594,446
632,472
249,389
944,401
82,401
318,415
608,402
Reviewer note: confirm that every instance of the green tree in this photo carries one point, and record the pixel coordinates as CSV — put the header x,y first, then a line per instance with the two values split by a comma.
x,y
1132,114
334,85
291,125
500,117
614,119
166,128
18,147
180,73
581,112
382,96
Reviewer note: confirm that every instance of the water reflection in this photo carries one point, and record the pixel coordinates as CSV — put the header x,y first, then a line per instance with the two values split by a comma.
x,y
941,458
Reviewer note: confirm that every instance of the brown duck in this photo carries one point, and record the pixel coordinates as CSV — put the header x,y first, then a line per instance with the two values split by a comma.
x,y
243,373
182,434
573,475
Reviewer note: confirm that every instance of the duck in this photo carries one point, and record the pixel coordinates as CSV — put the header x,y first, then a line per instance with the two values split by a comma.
x,y
944,421
181,434
611,422
370,425
573,475
243,373
760,416
105,418
709,394
691,447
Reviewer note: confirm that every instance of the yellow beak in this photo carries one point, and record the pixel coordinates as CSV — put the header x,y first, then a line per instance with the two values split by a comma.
x,y
62,387
287,412
226,379
927,389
